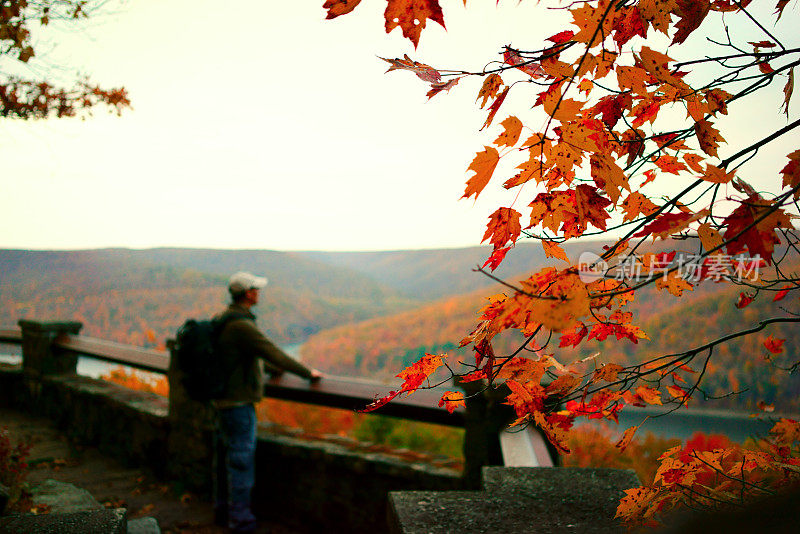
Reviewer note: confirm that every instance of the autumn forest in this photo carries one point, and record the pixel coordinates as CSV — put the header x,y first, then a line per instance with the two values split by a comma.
x,y
368,314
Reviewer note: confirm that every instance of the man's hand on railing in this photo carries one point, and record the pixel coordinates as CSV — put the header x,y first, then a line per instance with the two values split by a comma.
x,y
316,376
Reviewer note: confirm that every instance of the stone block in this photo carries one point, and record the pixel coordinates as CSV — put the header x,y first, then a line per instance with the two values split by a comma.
x,y
87,522
538,499
143,525
62,497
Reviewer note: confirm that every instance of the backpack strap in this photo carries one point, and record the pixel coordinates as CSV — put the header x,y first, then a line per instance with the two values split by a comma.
x,y
222,320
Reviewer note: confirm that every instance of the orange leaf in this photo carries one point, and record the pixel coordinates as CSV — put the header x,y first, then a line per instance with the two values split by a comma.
x,y
788,89
566,110
532,69
670,223
452,400
637,204
556,435
657,64
503,227
413,376
708,137
563,385
692,14
657,12
496,258
609,372
490,88
510,136
411,16
649,395
791,172
760,239
636,501
552,250
669,164
677,392
591,207
716,175
483,165
674,284
437,88
709,236
626,438
693,161
339,7
608,176
423,71
495,107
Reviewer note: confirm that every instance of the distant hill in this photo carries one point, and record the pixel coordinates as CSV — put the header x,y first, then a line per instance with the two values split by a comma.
x,y
437,273
143,296
381,347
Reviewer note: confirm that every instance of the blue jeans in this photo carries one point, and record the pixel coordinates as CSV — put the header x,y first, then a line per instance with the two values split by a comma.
x,y
236,454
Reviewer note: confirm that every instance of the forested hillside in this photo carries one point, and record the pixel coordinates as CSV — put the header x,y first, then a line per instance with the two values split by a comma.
x,y
381,347
142,296
358,324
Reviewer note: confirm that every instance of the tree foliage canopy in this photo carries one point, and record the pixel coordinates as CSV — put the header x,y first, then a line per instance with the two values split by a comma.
x,y
31,98
617,139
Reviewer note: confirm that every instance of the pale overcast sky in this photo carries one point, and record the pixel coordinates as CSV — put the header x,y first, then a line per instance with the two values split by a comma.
x,y
261,125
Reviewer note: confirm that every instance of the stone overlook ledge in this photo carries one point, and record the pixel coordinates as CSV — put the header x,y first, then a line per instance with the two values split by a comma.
x,y
545,500
303,485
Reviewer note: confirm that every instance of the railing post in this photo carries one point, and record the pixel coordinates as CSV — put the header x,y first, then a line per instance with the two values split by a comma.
x,y
39,358
190,443
485,418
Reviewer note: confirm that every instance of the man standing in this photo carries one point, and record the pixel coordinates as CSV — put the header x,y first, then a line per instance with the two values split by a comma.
x,y
244,349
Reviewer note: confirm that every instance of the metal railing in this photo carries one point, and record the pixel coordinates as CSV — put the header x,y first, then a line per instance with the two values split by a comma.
x,y
333,392
520,449
11,336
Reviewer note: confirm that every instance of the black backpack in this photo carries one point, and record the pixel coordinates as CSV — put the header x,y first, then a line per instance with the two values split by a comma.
x,y
205,376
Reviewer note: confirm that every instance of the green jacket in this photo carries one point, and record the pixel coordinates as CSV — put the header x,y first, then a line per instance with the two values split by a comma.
x,y
242,344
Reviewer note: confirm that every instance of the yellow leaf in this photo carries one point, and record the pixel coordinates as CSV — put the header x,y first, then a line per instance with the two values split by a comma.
x,y
452,400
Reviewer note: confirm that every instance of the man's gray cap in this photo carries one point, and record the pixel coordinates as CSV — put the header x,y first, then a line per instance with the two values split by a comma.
x,y
242,281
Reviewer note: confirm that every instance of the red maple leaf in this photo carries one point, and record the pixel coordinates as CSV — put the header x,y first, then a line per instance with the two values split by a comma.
x,y
498,254
612,107
758,238
629,25
775,346
413,376
744,300
532,69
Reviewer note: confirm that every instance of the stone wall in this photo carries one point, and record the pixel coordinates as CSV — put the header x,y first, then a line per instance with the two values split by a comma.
x,y
344,490
310,485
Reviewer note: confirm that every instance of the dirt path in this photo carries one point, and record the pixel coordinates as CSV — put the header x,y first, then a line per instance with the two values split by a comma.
x,y
110,482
